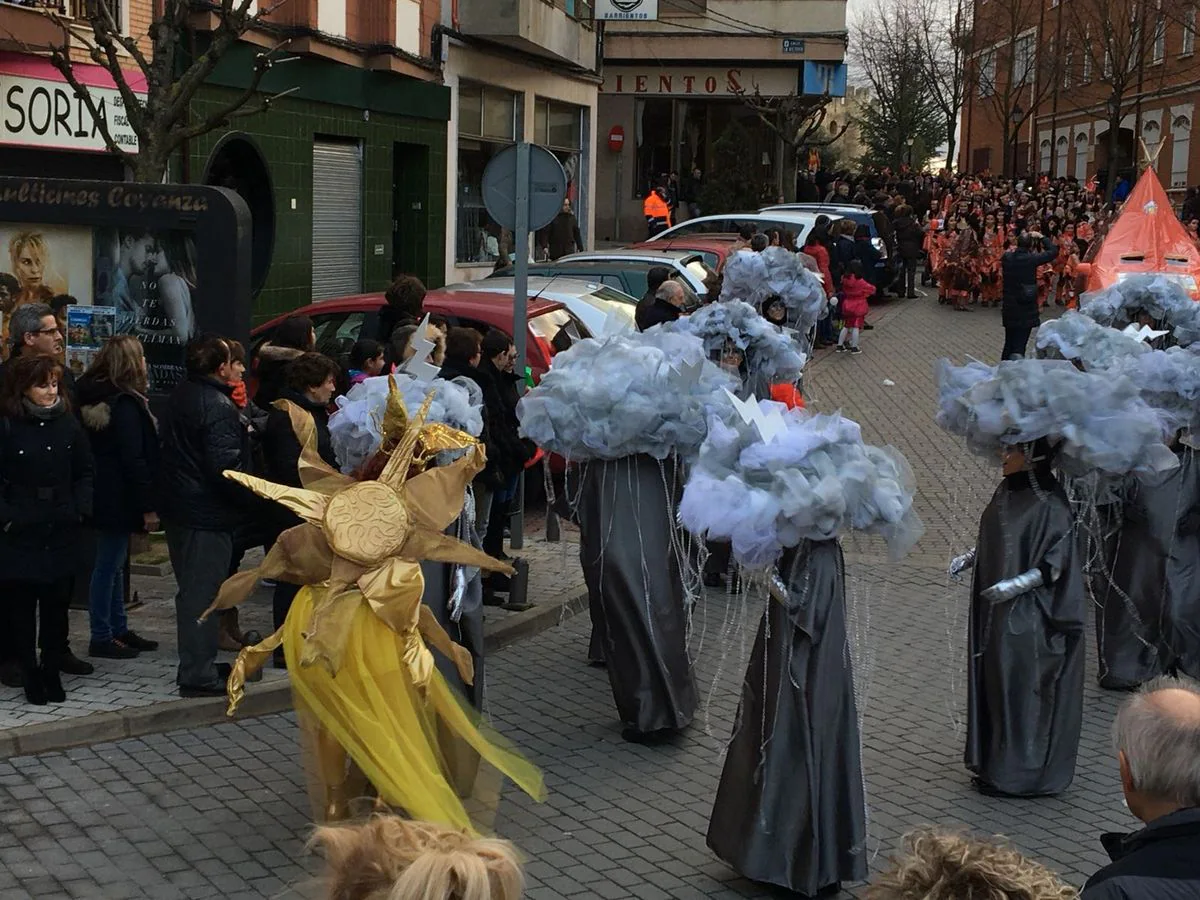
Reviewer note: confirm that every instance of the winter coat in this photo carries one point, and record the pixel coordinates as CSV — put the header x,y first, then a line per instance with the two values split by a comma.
x,y
821,255
865,253
561,236
281,455
1019,308
909,237
655,314
854,293
203,436
1159,862
840,256
45,496
505,450
123,437
271,370
503,425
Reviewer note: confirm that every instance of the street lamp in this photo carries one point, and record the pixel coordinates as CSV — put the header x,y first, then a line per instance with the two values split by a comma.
x,y
910,142
1016,117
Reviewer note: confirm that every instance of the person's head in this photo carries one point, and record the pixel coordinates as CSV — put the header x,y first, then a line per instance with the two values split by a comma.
x,y
29,255
463,346
903,210
9,288
499,350
405,295
746,232
367,356
843,189
671,292
34,330
314,376
1157,738
209,356
941,865
59,304
1193,225
855,268
176,255
775,238
1024,242
732,359
440,324
237,360
138,249
389,858
696,173
1036,456
846,227
295,333
759,243
656,276
30,378
566,207
122,363
774,311
402,343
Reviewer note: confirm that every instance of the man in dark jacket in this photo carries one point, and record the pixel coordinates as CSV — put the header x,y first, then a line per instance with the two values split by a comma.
x,y
909,238
1019,310
203,436
667,306
295,335
1157,736
561,236
405,297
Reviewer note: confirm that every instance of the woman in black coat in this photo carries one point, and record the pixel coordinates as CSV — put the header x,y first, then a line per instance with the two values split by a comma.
x,y
45,494
124,441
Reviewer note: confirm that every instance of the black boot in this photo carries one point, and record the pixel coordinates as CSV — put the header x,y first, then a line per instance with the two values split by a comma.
x,y
52,684
35,691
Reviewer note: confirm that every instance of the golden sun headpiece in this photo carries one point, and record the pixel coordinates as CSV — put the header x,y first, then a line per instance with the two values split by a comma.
x,y
364,541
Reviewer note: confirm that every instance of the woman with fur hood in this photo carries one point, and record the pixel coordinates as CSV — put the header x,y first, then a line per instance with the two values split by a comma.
x,y
124,440
293,337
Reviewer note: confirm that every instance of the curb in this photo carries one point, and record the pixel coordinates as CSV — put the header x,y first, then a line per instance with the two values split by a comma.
x,y
260,699
154,570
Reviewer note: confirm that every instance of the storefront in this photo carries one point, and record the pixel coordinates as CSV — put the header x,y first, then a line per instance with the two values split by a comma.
x,y
497,102
46,131
670,118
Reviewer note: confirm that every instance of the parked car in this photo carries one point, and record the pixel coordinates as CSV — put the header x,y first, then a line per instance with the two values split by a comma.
x,y
690,267
797,222
862,215
587,301
627,276
715,248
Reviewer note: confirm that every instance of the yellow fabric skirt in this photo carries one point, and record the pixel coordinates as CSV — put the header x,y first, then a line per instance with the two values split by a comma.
x,y
401,737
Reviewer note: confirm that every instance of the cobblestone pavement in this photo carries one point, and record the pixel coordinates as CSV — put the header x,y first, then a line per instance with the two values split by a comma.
x,y
222,811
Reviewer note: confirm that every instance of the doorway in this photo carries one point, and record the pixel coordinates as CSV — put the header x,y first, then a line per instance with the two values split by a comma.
x,y
410,213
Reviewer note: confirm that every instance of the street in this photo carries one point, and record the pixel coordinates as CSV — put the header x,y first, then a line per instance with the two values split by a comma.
x,y
222,810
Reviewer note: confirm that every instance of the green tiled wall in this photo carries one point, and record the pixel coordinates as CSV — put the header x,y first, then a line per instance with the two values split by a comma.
x,y
285,133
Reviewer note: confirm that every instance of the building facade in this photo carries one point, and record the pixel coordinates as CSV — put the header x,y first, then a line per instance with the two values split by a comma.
x,y
516,71
671,86
1032,108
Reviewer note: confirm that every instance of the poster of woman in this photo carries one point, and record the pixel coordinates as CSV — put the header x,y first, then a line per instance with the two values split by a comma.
x,y
40,262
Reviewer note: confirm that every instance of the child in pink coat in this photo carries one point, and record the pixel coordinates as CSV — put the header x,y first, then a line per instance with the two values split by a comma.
x,y
855,290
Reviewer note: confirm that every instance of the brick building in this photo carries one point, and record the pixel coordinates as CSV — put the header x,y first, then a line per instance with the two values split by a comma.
x,y
1047,77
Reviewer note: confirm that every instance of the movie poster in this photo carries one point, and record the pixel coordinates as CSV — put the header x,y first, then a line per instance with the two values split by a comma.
x,y
88,327
41,262
150,279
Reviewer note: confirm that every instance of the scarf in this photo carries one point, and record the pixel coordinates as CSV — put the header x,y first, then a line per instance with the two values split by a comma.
x,y
44,413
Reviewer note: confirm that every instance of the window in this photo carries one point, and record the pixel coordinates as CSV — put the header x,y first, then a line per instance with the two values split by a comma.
x,y
1023,60
559,127
1068,69
987,74
1160,40
1087,56
1189,31
487,123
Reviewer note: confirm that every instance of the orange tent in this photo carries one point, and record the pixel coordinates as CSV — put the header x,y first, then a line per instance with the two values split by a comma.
x,y
1146,237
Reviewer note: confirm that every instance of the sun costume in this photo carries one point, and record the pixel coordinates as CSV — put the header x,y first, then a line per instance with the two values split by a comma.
x,y
372,705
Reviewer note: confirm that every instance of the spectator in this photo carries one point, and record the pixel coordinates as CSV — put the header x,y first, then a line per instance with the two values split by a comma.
x,y
1019,308
58,305
854,306
654,280
759,243
404,296
689,194
367,359
33,330
745,233
203,437
561,236
402,349
938,865
295,335
910,237
1157,737
667,306
46,473
123,434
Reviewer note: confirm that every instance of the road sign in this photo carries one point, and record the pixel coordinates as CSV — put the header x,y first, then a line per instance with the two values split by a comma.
x,y
547,186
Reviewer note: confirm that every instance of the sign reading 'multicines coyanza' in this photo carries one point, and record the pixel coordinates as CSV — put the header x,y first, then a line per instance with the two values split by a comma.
x,y
170,260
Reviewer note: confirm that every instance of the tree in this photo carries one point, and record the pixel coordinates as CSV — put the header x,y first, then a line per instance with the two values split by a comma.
x,y
731,185
902,109
161,122
944,42
799,121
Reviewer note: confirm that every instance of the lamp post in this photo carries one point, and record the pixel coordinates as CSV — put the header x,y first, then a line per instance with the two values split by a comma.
x,y
1016,118
910,143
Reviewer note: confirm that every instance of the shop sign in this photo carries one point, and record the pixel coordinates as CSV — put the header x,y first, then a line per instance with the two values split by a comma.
x,y
35,112
730,82
626,10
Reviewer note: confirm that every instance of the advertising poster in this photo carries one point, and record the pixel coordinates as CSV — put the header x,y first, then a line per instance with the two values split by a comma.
x,y
150,279
41,262
88,327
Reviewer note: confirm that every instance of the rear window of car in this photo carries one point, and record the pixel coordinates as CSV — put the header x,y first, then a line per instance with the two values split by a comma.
x,y
603,292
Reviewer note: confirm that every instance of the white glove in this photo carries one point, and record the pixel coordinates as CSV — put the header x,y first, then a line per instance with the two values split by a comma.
x,y
961,563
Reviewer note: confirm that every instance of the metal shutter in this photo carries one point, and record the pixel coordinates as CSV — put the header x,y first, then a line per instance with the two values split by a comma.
x,y
337,247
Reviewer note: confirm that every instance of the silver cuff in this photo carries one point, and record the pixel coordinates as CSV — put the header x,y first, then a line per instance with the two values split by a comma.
x,y
961,563
1013,587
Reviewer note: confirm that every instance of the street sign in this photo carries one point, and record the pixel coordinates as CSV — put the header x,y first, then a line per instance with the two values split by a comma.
x,y
626,10
793,45
547,187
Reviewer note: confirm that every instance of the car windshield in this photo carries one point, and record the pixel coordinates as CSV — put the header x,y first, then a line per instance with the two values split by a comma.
x,y
612,295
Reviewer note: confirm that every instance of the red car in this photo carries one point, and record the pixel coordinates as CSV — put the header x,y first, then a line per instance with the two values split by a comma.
x,y
715,248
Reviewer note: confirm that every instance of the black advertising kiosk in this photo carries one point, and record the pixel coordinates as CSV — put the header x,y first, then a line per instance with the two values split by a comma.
x,y
161,261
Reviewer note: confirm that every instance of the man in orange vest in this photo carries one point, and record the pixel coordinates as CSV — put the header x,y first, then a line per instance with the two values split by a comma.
x,y
657,211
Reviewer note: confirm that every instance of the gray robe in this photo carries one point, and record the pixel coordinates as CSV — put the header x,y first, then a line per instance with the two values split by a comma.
x,y
1025,668
1150,620
789,809
635,590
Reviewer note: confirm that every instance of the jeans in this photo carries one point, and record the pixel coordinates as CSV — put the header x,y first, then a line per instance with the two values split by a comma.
x,y
106,597
1015,342
484,497
825,329
201,562
909,276
29,601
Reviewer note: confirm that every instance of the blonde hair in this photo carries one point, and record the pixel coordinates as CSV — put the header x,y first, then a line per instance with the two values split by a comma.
x,y
120,363
941,865
31,239
389,858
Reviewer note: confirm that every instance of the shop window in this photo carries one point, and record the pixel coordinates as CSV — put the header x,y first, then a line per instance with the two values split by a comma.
x,y
487,123
559,128
654,126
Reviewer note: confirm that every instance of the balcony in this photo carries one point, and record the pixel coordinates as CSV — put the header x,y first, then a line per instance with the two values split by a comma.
x,y
551,30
